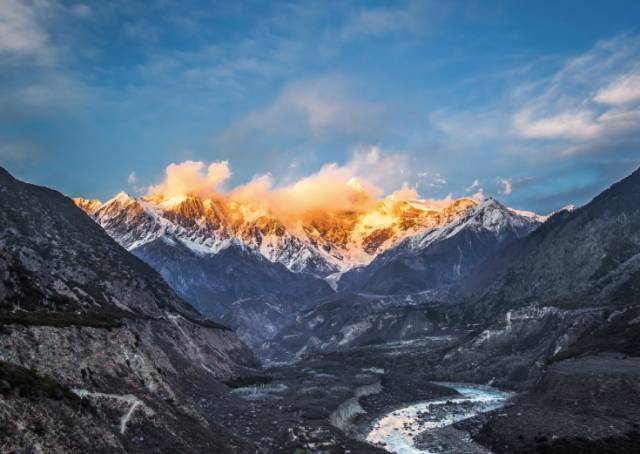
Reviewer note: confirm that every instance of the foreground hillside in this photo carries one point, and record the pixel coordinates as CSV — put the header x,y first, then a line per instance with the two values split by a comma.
x,y
98,353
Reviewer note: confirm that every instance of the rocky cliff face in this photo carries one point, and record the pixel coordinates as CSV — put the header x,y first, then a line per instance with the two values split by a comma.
x,y
98,353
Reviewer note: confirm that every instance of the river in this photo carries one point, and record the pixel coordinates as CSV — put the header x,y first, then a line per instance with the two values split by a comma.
x,y
423,428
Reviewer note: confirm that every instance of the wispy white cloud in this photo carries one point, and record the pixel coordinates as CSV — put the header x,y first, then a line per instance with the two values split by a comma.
x,y
312,109
589,104
594,97
473,186
132,178
134,184
430,179
404,17
575,124
370,174
506,186
192,177
21,34
624,90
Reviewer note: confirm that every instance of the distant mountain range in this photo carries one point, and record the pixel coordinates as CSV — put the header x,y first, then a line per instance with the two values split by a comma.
x,y
214,252
321,243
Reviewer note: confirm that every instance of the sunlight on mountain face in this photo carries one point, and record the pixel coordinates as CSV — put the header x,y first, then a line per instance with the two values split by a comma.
x,y
341,212
331,221
344,235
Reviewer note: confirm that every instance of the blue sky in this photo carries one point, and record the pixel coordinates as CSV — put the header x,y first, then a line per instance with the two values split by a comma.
x,y
536,103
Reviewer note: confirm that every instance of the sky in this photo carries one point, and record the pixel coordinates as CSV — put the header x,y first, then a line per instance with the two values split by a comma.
x,y
534,103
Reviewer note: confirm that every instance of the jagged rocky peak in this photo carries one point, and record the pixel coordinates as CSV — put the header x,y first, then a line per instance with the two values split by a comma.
x,y
117,203
89,206
494,216
122,198
460,205
319,242
121,203
454,240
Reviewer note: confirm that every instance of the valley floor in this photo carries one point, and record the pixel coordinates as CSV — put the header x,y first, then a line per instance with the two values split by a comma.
x,y
588,404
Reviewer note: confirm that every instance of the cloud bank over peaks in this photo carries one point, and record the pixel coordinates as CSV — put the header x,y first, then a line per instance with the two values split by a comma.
x,y
369,177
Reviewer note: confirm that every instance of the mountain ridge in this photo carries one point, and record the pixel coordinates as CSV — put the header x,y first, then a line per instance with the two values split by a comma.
x,y
99,335
319,243
440,256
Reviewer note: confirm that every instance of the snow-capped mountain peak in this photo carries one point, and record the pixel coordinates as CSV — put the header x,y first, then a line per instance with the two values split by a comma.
x,y
320,242
89,206
121,198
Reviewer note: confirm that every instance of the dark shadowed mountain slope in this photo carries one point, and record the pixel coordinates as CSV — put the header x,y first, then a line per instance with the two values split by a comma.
x,y
560,310
587,257
569,289
211,282
68,256
259,318
98,353
347,320
441,256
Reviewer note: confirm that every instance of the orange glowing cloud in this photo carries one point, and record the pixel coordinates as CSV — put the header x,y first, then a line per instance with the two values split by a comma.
x,y
357,186
405,193
190,178
333,188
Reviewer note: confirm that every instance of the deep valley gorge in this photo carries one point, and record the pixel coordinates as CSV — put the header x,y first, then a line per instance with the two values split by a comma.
x,y
138,326
319,227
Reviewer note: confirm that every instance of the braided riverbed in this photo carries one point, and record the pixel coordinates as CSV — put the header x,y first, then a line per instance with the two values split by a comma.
x,y
423,428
